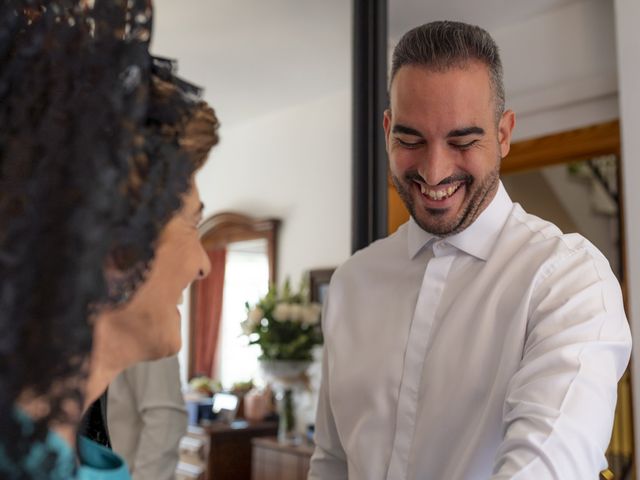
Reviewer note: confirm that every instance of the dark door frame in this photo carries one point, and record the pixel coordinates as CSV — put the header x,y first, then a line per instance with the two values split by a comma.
x,y
369,173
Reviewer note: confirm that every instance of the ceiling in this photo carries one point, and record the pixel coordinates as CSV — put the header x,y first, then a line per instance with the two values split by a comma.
x,y
489,14
257,56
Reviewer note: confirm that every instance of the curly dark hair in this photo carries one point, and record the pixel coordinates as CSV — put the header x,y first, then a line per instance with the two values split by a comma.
x,y
98,143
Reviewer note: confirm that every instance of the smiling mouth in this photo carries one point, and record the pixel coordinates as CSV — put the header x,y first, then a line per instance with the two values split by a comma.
x,y
441,193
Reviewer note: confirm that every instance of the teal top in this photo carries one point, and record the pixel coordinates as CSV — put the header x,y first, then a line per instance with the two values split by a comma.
x,y
93,461
97,462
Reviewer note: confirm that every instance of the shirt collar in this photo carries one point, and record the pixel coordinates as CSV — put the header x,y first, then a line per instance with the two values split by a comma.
x,y
478,238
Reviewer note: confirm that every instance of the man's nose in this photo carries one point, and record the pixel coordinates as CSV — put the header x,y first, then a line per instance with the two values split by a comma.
x,y
436,165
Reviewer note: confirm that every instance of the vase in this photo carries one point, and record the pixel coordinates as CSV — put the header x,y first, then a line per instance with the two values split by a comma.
x,y
286,376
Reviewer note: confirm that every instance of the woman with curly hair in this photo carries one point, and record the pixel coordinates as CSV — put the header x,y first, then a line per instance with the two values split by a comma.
x,y
99,143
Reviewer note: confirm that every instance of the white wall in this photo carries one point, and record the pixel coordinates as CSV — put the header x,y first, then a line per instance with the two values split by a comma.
x,y
560,68
293,164
628,38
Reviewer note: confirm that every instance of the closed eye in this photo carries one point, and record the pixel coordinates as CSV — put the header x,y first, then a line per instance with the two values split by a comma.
x,y
406,144
464,146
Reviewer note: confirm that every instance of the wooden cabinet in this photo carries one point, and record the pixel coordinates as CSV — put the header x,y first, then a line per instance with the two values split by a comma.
x,y
227,448
273,461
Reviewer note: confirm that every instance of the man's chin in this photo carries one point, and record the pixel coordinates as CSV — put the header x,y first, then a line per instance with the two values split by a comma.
x,y
440,229
436,221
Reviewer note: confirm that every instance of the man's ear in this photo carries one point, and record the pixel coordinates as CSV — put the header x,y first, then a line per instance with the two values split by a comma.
x,y
505,128
386,124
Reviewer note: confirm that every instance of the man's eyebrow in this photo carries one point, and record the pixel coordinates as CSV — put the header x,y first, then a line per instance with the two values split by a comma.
x,y
406,130
463,132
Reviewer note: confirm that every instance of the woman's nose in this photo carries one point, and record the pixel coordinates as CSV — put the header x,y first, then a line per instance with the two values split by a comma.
x,y
205,265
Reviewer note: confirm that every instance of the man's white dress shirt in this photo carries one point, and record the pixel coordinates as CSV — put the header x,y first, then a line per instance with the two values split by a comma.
x,y
490,354
147,417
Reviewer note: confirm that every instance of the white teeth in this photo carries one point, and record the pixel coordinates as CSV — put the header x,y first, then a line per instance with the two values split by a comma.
x,y
438,194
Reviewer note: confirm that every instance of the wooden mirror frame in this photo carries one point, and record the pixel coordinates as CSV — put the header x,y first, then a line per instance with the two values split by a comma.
x,y
571,146
220,230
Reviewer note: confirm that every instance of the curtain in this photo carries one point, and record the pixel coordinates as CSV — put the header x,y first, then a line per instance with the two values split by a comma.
x,y
208,313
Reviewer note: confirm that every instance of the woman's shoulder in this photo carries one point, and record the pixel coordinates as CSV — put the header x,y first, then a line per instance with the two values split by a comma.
x,y
27,453
54,458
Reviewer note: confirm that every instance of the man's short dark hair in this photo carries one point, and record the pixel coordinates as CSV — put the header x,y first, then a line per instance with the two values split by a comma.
x,y
445,44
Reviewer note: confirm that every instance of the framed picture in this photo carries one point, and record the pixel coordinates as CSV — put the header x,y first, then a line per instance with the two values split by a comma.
x,y
319,284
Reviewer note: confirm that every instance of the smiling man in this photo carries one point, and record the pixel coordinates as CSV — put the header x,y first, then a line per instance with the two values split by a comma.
x,y
445,143
478,341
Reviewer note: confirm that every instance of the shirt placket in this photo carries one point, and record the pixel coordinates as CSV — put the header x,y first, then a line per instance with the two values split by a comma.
x,y
433,282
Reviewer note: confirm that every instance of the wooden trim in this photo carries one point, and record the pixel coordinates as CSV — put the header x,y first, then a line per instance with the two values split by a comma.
x,y
228,227
573,145
222,229
397,212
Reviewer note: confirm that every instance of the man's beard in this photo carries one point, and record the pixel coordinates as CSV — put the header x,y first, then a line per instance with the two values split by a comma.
x,y
476,194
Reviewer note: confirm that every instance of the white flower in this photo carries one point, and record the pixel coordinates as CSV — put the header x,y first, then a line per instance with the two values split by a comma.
x,y
311,314
255,315
296,312
282,312
247,327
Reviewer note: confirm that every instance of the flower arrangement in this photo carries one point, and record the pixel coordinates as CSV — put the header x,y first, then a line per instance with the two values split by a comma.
x,y
285,324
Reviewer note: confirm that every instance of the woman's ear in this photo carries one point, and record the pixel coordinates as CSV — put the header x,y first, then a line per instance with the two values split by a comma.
x,y
117,273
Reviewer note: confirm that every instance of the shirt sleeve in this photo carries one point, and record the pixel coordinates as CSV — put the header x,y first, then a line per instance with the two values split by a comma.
x,y
559,406
329,460
156,387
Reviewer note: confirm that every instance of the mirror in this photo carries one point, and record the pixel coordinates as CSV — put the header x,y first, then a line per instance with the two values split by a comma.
x,y
242,252
577,197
